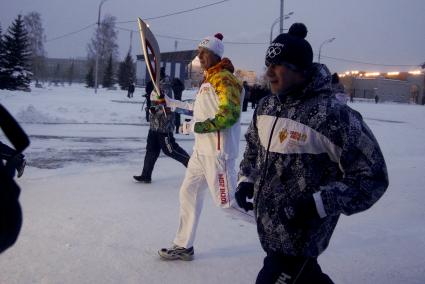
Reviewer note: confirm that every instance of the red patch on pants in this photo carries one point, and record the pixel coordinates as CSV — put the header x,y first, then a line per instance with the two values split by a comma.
x,y
222,187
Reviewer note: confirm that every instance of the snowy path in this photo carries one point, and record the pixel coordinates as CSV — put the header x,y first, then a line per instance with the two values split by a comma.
x,y
87,221
56,145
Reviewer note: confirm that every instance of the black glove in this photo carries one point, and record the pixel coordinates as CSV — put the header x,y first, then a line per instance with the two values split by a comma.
x,y
243,191
301,212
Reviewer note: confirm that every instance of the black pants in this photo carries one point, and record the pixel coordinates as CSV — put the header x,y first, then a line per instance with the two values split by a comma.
x,y
291,270
245,105
162,141
177,121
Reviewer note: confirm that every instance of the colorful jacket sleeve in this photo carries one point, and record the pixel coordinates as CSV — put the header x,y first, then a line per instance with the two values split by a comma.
x,y
228,90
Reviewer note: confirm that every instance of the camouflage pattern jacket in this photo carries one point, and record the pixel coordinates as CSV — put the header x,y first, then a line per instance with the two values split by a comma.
x,y
305,143
161,119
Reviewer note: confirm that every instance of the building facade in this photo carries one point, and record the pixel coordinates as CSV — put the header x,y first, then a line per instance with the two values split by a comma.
x,y
58,70
402,87
177,64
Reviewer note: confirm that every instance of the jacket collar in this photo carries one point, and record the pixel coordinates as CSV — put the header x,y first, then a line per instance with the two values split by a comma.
x,y
224,64
319,83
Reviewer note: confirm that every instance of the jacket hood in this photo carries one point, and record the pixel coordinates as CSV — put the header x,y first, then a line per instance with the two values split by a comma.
x,y
320,80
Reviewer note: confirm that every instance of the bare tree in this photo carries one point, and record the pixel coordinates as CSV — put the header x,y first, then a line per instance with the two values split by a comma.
x,y
36,39
104,41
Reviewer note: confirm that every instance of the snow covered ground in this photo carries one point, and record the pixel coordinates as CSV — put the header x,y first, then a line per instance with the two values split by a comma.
x,y
87,221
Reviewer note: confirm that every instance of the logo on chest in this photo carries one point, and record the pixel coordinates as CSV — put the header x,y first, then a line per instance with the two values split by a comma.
x,y
283,134
294,136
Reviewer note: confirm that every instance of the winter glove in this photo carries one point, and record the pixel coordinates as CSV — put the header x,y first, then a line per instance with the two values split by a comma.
x,y
301,213
244,191
198,128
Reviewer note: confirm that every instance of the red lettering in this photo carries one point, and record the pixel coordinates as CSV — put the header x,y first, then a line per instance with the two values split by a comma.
x,y
223,192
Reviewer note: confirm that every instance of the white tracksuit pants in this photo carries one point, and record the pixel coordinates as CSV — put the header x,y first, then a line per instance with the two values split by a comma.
x,y
217,174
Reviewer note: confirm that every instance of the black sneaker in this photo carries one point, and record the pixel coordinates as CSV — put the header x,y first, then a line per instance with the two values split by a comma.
x,y
142,179
176,253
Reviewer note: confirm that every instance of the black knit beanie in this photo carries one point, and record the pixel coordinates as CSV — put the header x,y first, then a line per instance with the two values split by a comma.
x,y
291,49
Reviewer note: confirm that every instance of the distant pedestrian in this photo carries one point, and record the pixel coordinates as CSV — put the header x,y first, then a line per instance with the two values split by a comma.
x,y
178,88
376,99
130,92
246,97
338,89
257,92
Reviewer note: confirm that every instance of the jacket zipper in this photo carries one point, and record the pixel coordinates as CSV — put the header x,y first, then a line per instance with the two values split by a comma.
x,y
266,162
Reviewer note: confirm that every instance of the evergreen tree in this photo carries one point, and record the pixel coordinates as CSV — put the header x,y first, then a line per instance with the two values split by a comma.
x,y
108,76
90,77
16,73
2,73
126,72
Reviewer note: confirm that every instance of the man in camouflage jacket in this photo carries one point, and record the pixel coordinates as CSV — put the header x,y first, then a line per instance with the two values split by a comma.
x,y
160,136
308,159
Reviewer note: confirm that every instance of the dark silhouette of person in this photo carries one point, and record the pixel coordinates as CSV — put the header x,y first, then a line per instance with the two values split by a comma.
x,y
131,89
178,88
247,95
160,136
147,95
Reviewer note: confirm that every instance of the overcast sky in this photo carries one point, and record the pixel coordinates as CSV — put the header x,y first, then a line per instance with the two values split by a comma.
x,y
390,32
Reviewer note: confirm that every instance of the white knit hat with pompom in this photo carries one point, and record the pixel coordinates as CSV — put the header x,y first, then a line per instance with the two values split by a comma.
x,y
214,44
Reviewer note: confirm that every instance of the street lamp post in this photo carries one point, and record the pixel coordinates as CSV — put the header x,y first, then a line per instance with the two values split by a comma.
x,y
323,43
97,50
287,16
282,5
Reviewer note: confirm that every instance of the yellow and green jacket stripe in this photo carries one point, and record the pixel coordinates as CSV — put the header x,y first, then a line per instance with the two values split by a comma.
x,y
228,89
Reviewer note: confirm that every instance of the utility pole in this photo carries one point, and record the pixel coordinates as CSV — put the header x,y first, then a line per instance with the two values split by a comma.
x,y
282,4
97,50
131,40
